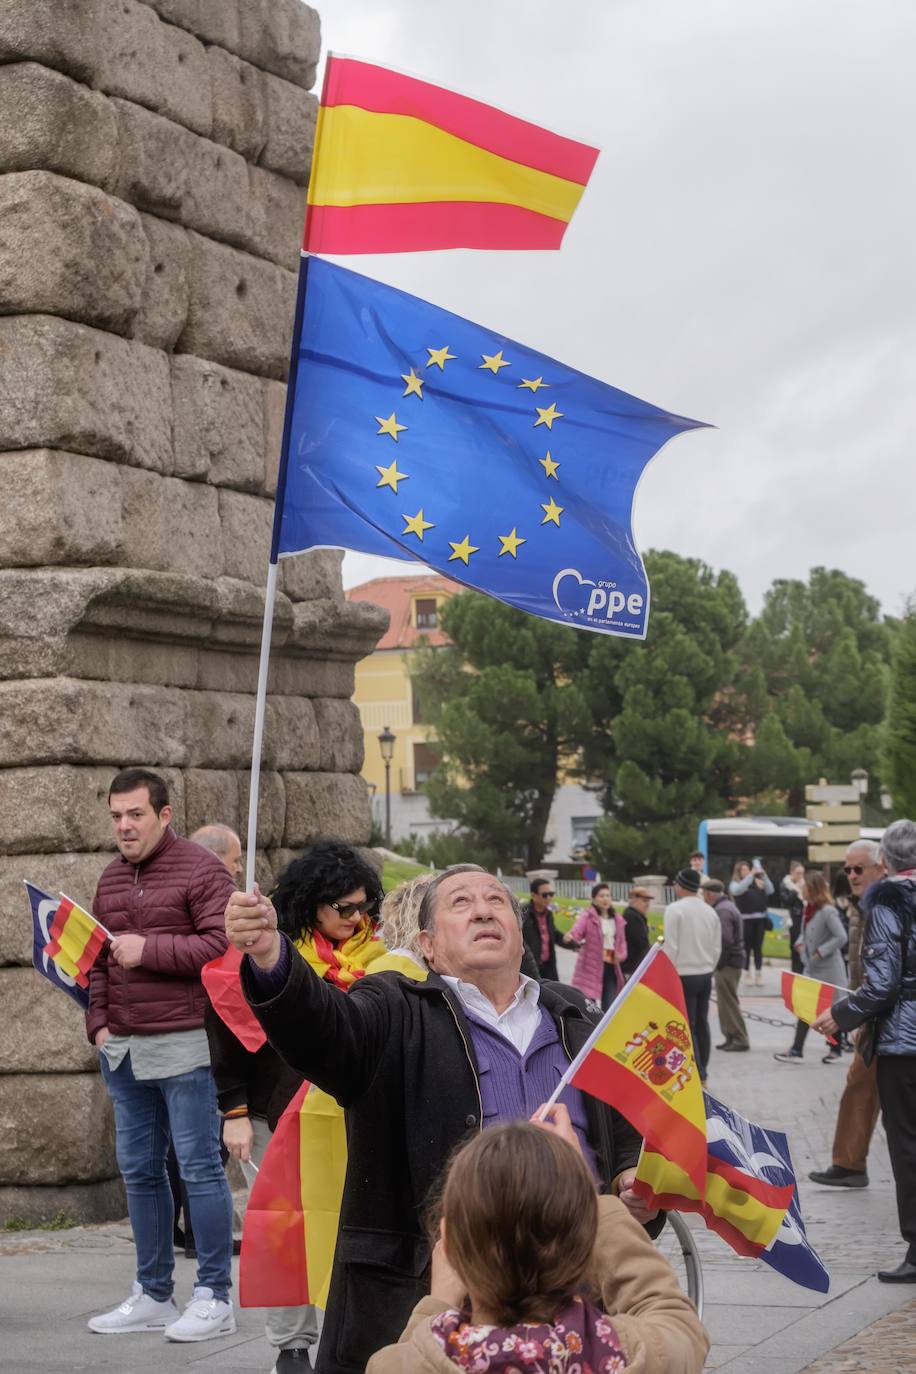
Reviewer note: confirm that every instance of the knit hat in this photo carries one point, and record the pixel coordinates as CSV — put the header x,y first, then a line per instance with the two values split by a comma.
x,y
688,878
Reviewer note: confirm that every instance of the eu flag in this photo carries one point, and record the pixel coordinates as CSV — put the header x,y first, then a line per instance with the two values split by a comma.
x,y
416,434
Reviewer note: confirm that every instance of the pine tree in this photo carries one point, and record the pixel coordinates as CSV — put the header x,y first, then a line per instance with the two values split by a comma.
x,y
900,732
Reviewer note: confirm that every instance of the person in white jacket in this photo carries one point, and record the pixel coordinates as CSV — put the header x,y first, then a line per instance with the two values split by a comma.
x,y
693,943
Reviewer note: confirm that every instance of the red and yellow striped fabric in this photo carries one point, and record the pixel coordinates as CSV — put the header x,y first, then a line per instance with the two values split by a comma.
x,y
642,1063
806,998
76,941
400,165
744,1210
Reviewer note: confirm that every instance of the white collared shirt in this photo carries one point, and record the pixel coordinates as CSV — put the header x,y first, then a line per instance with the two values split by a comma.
x,y
520,1019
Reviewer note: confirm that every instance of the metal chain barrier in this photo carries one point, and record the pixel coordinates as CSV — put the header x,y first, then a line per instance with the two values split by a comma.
x,y
755,1016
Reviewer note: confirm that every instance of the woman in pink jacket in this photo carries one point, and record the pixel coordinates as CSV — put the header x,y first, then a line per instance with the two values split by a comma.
x,y
601,936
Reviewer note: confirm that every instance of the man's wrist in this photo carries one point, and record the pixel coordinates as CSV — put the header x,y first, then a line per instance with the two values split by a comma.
x,y
267,961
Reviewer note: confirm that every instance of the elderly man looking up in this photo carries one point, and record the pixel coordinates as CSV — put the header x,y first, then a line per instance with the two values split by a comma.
x,y
419,1066
886,1001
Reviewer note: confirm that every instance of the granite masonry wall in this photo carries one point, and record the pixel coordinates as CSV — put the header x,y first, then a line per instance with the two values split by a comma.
x,y
153,165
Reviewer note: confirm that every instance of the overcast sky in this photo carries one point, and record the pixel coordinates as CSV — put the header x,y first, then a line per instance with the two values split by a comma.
x,y
744,253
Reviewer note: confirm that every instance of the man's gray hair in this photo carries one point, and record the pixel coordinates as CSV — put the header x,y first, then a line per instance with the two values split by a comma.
x,y
871,848
427,914
712,885
898,845
217,838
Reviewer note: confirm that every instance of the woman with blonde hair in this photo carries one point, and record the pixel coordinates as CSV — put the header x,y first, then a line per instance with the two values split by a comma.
x,y
822,937
529,1263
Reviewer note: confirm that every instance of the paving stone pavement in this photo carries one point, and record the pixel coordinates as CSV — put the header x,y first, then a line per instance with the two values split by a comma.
x,y
51,1282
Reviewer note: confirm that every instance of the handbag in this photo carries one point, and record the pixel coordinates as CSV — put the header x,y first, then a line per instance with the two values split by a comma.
x,y
867,1041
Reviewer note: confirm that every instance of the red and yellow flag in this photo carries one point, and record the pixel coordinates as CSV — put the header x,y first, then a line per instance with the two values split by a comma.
x,y
400,165
76,941
806,998
642,1063
223,987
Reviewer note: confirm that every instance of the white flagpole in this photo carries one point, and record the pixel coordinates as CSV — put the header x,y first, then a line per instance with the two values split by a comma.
x,y
623,994
260,710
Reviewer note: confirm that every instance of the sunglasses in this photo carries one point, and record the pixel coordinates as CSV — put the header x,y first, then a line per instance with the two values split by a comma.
x,y
347,909
546,894
857,869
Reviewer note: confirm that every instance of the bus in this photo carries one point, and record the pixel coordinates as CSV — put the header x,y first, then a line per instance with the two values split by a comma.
x,y
775,840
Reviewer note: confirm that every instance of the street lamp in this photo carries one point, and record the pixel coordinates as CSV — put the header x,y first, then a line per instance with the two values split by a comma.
x,y
386,744
859,779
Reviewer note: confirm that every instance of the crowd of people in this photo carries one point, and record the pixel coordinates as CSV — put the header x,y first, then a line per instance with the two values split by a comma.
x,y
434,1019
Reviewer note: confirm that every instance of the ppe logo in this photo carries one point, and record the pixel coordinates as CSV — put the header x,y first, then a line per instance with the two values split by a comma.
x,y
602,602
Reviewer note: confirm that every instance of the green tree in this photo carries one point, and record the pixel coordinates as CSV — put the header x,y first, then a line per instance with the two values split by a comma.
x,y
900,734
507,712
661,738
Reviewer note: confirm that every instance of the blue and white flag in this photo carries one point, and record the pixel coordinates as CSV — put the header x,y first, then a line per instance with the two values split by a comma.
x,y
44,907
414,433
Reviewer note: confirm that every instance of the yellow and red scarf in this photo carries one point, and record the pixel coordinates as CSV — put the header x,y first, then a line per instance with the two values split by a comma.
x,y
342,964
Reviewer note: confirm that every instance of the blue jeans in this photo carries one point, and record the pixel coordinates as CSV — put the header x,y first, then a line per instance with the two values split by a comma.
x,y
147,1113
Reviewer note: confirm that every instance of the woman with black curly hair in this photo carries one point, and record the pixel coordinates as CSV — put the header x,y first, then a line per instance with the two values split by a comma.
x,y
327,902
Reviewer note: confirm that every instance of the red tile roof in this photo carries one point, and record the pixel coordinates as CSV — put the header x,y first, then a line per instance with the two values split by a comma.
x,y
396,594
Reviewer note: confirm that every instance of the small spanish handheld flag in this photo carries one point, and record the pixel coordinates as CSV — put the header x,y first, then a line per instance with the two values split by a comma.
x,y
76,940
806,998
640,1060
400,165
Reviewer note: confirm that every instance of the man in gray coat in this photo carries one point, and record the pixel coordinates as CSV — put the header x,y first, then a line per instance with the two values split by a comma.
x,y
728,969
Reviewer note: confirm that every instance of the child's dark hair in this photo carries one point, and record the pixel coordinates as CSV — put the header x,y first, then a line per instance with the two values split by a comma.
x,y
521,1214
325,872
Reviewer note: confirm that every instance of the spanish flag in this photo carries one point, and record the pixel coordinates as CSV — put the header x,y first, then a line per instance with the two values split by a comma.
x,y
400,165
806,998
640,1060
76,940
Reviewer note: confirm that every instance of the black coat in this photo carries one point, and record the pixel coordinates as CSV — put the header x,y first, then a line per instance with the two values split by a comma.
x,y
636,926
398,1056
258,1080
889,962
531,934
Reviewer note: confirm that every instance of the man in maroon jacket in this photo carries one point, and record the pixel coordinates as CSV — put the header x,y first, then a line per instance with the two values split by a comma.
x,y
163,900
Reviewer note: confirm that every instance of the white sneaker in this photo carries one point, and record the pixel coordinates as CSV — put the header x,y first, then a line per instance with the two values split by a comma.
x,y
203,1318
139,1312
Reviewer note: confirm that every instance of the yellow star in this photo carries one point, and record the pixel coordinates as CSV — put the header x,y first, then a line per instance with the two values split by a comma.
x,y
534,385
462,550
439,356
415,524
414,384
552,512
550,466
389,476
390,426
547,417
494,363
510,543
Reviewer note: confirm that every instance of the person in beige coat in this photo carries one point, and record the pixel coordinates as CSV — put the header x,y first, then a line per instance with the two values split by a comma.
x,y
533,1270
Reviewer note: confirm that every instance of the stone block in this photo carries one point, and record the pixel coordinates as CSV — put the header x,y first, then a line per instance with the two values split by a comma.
x,y
271,807
86,1203
241,310
246,523
154,160
291,115
116,658
54,809
75,874
313,575
341,734
239,103
175,781
325,804
282,36
214,21
276,217
153,64
170,525
164,303
56,1029
63,385
212,797
88,263
71,1109
219,727
58,508
51,122
311,677
219,423
274,412
291,737
60,36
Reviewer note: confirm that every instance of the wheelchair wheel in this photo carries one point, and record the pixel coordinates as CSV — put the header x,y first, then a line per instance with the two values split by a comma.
x,y
677,1244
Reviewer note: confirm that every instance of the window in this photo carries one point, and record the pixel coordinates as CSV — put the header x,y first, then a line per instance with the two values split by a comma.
x,y
582,827
424,761
427,612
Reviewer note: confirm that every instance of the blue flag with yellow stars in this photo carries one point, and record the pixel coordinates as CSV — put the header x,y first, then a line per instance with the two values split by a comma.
x,y
415,434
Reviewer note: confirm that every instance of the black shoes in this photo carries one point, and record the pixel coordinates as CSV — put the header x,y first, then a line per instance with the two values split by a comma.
x,y
725,1045
735,1048
790,1057
294,1360
837,1177
904,1273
